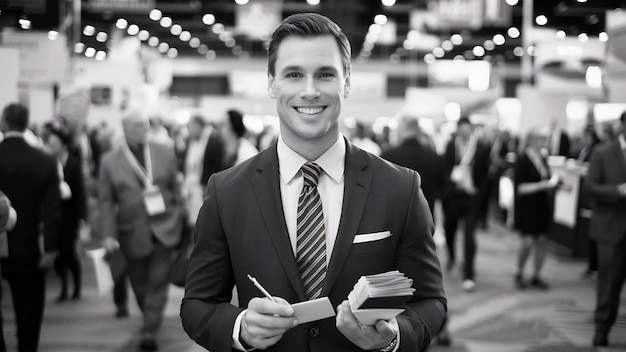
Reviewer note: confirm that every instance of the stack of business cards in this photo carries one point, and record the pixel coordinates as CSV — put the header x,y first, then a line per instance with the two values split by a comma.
x,y
380,296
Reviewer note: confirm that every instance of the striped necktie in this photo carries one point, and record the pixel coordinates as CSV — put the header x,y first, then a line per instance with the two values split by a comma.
x,y
311,235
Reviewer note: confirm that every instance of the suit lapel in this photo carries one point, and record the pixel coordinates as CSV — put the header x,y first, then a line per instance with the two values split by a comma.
x,y
356,189
266,185
127,169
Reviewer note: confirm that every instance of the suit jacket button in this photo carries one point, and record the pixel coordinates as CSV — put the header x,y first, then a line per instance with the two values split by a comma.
x,y
314,332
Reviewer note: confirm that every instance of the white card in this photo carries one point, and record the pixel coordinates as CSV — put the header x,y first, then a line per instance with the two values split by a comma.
x,y
312,310
153,199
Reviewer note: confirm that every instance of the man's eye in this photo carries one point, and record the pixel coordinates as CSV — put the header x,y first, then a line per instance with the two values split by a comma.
x,y
293,75
327,75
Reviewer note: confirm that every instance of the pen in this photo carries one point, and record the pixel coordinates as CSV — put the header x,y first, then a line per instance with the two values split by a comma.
x,y
261,288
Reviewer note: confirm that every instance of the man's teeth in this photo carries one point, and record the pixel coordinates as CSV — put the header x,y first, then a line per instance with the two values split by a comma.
x,y
310,111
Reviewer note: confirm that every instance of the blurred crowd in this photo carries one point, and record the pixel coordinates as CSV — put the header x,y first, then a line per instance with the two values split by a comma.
x,y
68,177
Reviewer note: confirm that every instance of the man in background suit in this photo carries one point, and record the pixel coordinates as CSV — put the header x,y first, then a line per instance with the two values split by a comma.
x,y
467,162
30,179
559,143
421,158
141,213
370,217
606,183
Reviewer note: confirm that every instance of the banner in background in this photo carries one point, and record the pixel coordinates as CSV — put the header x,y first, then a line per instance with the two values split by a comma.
x,y
41,60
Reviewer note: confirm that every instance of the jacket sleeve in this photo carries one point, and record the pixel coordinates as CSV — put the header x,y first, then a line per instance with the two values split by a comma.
x,y
417,257
107,200
596,183
51,206
206,313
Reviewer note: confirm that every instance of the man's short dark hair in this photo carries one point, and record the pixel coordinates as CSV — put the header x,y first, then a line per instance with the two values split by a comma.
x,y
198,120
463,120
308,25
61,133
15,117
622,117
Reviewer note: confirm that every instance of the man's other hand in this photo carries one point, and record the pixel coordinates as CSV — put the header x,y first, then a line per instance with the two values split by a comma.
x,y
367,337
265,322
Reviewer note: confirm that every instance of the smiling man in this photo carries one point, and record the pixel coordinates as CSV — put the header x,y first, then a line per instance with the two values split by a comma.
x,y
294,217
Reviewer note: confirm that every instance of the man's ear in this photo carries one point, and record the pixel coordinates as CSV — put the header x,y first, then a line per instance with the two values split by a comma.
x,y
346,86
270,87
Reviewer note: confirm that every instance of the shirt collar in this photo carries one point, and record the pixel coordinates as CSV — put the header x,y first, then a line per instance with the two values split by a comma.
x,y
332,161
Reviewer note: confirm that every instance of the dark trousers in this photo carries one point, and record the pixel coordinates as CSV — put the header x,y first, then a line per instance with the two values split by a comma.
x,y
120,291
611,273
150,278
28,290
455,208
68,259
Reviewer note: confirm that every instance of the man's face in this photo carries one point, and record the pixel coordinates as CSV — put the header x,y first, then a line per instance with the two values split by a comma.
x,y
135,129
195,129
464,130
309,87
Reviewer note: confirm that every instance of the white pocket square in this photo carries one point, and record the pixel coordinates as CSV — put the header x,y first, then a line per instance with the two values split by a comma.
x,y
369,237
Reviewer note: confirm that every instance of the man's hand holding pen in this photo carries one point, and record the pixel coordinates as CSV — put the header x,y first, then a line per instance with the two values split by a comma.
x,y
265,322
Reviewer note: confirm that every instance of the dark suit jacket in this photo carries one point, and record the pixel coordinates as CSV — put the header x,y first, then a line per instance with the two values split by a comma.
x,y
122,211
607,169
30,179
564,145
426,162
213,157
241,230
480,167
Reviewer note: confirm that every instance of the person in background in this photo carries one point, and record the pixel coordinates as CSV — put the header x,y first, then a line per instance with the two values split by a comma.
x,y
360,138
73,210
158,132
142,211
606,184
533,210
558,142
29,178
467,163
590,142
203,156
305,202
8,218
237,147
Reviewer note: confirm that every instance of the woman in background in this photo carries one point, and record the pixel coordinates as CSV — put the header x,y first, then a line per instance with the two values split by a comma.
x,y
532,210
73,208
237,147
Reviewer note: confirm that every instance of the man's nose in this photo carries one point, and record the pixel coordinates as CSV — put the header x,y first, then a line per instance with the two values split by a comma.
x,y
310,90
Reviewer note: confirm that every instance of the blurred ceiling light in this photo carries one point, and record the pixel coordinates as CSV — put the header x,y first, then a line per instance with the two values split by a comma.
x,y
90,52
583,37
165,22
101,55
513,32
447,45
456,39
429,58
203,49
380,19
185,36
143,35
230,42
241,2
375,28
518,51
176,29
511,2
210,54
89,30
208,19
155,14
499,39
102,37
313,2
79,47
133,29
561,34
173,52
408,44
164,47
541,20
531,50
438,52
52,35
489,45
194,42
218,28
237,50
458,58
24,23
153,41
581,0
478,50
388,2
371,37
603,36
593,77
121,23
224,35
